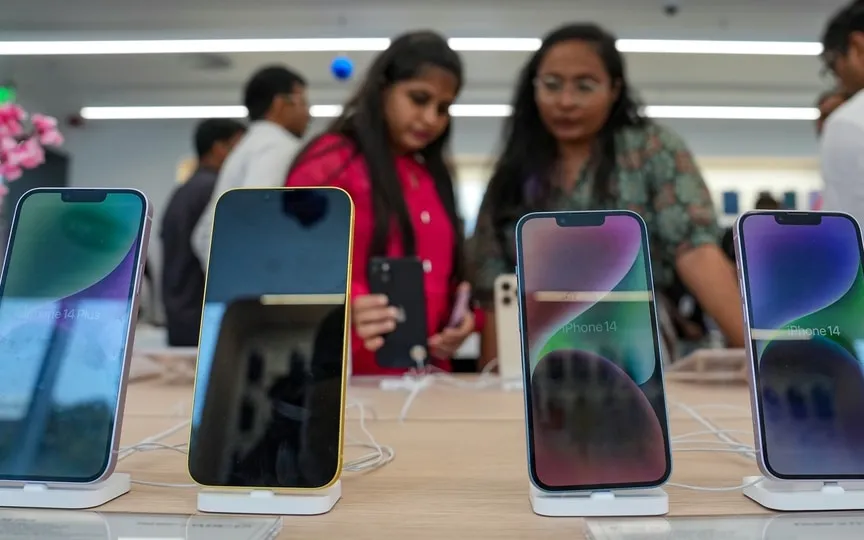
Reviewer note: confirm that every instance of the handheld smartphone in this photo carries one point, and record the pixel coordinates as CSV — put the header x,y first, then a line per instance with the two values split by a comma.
x,y
508,342
401,280
594,401
460,308
803,290
269,400
68,309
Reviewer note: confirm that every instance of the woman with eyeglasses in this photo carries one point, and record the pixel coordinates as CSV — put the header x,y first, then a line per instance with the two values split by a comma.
x,y
577,140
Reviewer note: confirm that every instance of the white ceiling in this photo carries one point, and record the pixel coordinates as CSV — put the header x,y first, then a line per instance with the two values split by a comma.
x,y
64,83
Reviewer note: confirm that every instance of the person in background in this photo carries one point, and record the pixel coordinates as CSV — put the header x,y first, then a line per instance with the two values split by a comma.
x,y
576,140
275,98
388,150
828,103
842,143
182,270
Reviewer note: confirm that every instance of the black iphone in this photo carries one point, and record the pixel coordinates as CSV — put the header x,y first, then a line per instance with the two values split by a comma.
x,y
401,281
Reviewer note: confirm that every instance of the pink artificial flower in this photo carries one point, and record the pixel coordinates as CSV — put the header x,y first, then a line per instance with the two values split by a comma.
x,y
29,153
43,122
11,113
10,172
11,128
46,128
51,137
9,152
7,143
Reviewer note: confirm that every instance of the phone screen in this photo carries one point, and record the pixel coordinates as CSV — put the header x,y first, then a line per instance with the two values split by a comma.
x,y
66,307
270,382
805,301
596,411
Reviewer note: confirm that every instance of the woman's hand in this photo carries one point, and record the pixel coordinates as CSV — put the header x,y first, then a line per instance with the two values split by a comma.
x,y
373,317
447,342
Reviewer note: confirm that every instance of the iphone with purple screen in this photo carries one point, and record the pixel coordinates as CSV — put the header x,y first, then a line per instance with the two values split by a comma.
x,y
68,308
595,406
803,288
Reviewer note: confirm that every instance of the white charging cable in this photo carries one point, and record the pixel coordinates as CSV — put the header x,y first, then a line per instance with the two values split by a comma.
x,y
423,377
723,444
379,456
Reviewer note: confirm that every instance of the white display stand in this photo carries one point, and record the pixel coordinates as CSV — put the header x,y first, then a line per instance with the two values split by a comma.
x,y
271,503
65,496
627,502
795,496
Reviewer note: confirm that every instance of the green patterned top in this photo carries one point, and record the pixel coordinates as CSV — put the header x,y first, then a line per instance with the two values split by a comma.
x,y
656,176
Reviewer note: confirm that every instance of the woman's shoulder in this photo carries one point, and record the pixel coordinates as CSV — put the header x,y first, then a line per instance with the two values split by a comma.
x,y
323,160
328,145
651,138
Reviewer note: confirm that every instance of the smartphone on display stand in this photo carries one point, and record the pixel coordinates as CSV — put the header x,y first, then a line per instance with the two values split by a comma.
x,y
68,310
803,289
595,407
269,398
508,342
401,280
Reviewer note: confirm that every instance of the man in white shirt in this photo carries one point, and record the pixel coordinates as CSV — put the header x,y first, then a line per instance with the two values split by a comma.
x,y
275,98
843,136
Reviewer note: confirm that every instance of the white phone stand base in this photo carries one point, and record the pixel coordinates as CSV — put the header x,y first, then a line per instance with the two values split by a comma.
x,y
269,502
795,496
628,502
65,496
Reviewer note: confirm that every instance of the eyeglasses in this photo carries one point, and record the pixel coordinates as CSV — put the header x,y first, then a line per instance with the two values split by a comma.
x,y
552,88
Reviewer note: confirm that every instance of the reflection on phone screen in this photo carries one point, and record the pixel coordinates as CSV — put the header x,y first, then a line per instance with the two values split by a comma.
x,y
597,415
65,313
269,395
805,290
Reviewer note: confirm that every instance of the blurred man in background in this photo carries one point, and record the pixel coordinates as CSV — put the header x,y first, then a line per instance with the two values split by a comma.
x,y
275,98
843,135
828,103
182,271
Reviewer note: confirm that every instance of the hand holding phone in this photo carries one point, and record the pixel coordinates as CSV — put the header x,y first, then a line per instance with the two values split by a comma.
x,y
445,343
373,318
401,280
460,306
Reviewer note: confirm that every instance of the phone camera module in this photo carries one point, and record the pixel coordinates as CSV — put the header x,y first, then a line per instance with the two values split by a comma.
x,y
561,221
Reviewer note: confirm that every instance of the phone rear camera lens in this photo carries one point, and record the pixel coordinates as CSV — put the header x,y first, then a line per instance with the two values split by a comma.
x,y
506,300
505,286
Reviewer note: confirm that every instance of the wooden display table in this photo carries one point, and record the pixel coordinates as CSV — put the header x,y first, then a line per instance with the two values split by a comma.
x,y
460,467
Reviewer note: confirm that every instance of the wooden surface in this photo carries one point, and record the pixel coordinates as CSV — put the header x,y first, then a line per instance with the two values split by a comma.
x,y
460,468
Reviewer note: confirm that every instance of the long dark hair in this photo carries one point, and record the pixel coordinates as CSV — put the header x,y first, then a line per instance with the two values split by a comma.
x,y
530,152
362,122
